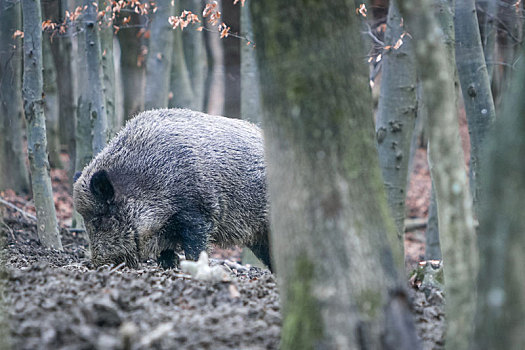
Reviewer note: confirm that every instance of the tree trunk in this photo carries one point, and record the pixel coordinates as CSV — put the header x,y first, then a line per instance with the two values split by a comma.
x,y
195,55
158,63
32,93
501,281
250,89
13,169
214,98
51,104
475,85
456,224
96,102
108,70
232,60
396,116
180,85
335,247
133,77
432,245
5,334
488,30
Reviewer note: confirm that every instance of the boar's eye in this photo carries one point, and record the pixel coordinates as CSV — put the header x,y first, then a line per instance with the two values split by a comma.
x,y
101,186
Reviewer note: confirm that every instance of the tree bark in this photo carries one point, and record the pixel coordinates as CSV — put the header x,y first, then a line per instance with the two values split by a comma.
x,y
475,85
488,29
250,90
133,72
108,70
51,104
501,281
232,60
195,55
97,109
456,224
15,176
396,116
32,93
335,246
180,84
158,63
214,95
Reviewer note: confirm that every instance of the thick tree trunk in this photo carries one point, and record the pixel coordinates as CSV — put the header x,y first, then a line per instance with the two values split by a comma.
x,y
335,246
133,72
158,63
501,281
456,224
51,104
396,116
13,170
214,95
181,91
47,225
96,102
195,55
475,85
250,90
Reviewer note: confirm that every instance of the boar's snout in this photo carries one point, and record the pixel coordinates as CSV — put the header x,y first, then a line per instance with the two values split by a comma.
x,y
101,257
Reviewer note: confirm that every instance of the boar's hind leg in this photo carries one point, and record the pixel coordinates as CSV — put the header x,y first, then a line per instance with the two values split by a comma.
x,y
194,233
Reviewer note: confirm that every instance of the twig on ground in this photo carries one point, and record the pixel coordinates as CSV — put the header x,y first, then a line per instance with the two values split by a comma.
x,y
12,206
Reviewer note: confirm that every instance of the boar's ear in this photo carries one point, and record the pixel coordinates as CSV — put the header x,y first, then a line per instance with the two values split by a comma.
x,y
101,186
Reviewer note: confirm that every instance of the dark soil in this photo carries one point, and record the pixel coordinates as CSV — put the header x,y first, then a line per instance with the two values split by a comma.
x,y
57,300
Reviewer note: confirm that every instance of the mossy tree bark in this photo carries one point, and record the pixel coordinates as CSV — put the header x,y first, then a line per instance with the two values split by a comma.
x,y
13,170
454,204
501,281
96,101
158,63
335,246
475,85
396,116
32,93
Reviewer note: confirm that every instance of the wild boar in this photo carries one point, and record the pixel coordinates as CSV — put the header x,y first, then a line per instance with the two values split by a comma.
x,y
171,180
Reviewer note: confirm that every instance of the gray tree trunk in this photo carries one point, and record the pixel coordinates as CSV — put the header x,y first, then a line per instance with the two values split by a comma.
x,y
214,98
13,170
195,55
97,109
475,85
456,225
133,72
250,90
51,104
501,281
180,84
396,116
487,18
232,60
108,71
335,246
47,225
432,245
5,334
158,63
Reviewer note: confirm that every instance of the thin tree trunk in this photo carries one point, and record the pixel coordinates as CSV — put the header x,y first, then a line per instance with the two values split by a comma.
x,y
335,246
47,225
214,96
454,203
51,104
232,60
501,281
432,245
180,85
488,30
97,109
108,70
5,334
475,85
396,116
195,55
250,90
158,63
15,176
133,72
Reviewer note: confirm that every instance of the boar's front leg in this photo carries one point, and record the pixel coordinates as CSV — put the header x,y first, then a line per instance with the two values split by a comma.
x,y
191,229
168,259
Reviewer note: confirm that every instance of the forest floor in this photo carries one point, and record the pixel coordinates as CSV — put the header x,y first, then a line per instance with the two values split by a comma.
x,y
57,300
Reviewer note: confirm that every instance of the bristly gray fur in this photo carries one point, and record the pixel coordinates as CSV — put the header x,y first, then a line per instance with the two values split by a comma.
x,y
178,176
